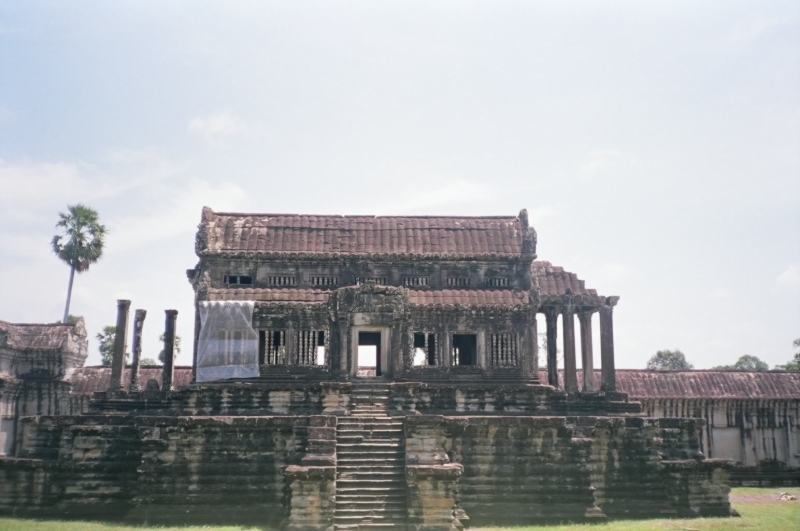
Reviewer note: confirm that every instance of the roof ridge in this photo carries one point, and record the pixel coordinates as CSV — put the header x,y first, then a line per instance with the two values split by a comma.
x,y
371,216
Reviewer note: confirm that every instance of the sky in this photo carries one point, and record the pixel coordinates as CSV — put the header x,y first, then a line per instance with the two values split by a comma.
x,y
656,146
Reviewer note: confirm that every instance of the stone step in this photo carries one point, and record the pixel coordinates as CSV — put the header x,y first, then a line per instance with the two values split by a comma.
x,y
393,497
369,518
368,450
372,527
377,421
378,482
365,462
367,440
378,430
371,492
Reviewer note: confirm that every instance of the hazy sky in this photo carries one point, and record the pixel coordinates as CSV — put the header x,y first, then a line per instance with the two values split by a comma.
x,y
656,145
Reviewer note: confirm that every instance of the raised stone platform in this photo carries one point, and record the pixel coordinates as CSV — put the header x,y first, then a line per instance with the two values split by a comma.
x,y
360,455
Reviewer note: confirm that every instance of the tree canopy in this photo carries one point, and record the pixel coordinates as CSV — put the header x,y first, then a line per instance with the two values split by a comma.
x,y
106,347
746,363
162,338
669,360
794,363
80,243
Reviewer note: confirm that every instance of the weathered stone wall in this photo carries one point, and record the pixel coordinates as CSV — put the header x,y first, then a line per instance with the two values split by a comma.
x,y
156,469
526,469
495,398
761,436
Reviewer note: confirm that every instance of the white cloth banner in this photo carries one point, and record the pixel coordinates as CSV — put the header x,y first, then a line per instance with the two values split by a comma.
x,y
228,344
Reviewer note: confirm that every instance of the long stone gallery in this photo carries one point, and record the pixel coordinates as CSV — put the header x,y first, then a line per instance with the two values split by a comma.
x,y
359,372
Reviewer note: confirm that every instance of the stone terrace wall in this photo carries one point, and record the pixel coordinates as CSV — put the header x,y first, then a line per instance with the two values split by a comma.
x,y
154,469
534,469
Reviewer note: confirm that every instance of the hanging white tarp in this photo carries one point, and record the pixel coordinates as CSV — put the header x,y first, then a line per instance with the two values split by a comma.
x,y
228,344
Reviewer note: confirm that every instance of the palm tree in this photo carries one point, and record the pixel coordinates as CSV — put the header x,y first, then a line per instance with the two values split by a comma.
x,y
80,244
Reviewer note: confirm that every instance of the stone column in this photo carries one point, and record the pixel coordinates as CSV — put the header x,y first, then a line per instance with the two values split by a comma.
x,y
167,376
136,349
587,355
530,354
607,344
570,367
551,319
344,348
120,345
447,348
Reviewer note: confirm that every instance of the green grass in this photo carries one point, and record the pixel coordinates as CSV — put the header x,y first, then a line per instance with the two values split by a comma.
x,y
759,509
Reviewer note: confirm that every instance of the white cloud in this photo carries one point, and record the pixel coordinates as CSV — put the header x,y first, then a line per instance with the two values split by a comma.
x,y
176,210
745,34
790,278
213,128
455,192
599,159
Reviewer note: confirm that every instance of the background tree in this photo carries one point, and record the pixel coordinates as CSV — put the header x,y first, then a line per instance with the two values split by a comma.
x,y
543,352
794,364
80,243
669,360
148,361
106,347
72,319
745,363
162,355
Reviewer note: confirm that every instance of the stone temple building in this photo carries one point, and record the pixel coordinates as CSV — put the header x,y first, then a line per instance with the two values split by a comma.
x,y
368,372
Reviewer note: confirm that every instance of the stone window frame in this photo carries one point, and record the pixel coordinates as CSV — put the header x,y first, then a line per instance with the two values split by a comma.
x,y
323,281
297,339
478,343
438,352
237,280
514,344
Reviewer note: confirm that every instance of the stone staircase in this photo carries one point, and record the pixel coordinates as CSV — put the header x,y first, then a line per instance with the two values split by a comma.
x,y
370,470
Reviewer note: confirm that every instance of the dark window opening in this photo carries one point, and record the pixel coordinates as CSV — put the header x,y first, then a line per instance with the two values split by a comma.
x,y
499,282
424,349
465,349
246,280
415,281
238,280
458,282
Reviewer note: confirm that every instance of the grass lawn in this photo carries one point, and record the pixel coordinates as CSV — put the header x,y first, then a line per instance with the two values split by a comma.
x,y
760,510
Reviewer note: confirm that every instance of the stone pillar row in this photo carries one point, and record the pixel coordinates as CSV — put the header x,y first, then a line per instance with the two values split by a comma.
x,y
120,347
568,311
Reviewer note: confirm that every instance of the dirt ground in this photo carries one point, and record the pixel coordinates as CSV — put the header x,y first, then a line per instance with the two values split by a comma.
x,y
762,498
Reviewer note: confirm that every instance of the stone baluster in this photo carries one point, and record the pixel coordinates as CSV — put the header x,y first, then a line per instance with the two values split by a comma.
x,y
167,376
587,355
551,320
120,345
609,375
136,348
570,367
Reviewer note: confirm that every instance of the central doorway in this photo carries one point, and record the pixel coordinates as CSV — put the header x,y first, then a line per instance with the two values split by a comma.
x,y
369,354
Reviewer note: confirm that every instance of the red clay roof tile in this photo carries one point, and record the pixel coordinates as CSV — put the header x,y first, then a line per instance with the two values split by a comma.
x,y
284,233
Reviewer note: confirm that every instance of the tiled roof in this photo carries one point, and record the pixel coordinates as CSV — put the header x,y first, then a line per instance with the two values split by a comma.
x,y
269,295
554,281
37,336
359,235
88,380
417,297
638,384
641,384
468,297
